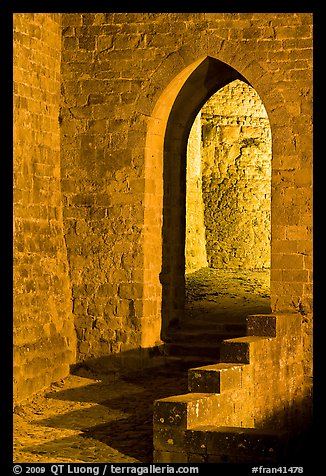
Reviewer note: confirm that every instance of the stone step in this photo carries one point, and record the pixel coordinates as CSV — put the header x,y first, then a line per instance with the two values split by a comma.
x,y
203,408
210,336
205,325
239,442
183,411
244,350
197,428
261,325
219,444
215,378
189,361
270,325
211,351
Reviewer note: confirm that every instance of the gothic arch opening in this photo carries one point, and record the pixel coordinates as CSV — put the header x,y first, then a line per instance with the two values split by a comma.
x,y
228,202
209,77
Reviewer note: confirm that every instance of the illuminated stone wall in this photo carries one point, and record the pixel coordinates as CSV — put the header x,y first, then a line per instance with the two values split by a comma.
x,y
195,248
44,334
97,153
114,72
229,177
237,179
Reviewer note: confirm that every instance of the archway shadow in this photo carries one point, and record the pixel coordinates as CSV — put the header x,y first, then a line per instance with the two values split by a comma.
x,y
114,414
119,422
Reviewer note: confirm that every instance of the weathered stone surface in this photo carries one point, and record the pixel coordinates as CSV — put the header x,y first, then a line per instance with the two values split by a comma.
x,y
169,457
44,337
244,350
259,420
195,243
262,325
103,106
169,439
183,410
214,378
236,178
94,418
247,441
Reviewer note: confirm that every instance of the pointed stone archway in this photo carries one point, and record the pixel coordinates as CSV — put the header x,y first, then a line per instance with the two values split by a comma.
x,y
166,149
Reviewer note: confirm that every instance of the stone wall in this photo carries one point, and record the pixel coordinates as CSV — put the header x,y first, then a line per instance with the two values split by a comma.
x,y
122,76
132,85
234,177
103,179
195,246
44,335
237,178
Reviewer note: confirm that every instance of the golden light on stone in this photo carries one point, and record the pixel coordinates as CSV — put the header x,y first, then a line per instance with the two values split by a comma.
x,y
111,213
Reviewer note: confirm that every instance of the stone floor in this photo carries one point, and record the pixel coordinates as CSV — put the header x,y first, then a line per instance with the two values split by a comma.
x,y
223,295
94,418
108,418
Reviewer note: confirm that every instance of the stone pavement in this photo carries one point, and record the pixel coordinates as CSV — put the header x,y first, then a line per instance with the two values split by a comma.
x,y
108,418
227,295
92,418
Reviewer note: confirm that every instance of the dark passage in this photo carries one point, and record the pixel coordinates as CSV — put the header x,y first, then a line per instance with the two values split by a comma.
x,y
217,304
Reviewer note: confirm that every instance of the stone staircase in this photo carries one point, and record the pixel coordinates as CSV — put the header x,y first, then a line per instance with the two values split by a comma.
x,y
243,407
201,340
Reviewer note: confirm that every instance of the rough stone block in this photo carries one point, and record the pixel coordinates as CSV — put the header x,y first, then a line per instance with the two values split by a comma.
x,y
130,291
288,324
244,441
185,410
169,439
214,378
170,411
195,458
261,325
169,457
244,350
195,442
